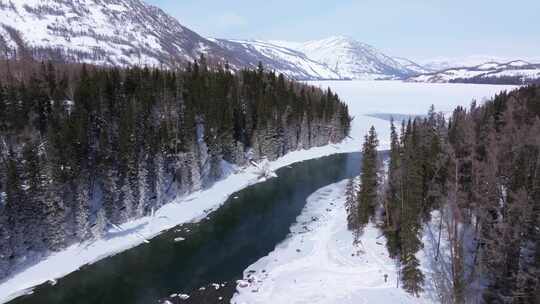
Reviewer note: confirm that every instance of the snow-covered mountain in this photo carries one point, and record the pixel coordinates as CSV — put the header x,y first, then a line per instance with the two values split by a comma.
x,y
127,33
103,32
131,32
412,66
517,71
337,57
352,59
445,63
279,58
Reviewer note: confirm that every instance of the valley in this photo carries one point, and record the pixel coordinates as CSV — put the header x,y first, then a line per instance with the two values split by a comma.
x,y
310,152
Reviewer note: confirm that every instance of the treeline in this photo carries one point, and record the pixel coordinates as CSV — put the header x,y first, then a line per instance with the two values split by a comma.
x,y
82,147
467,192
506,80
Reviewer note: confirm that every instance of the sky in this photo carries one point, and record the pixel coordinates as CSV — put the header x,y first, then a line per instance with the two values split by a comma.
x,y
416,29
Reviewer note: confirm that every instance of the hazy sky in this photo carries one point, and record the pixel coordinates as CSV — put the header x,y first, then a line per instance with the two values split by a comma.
x,y
418,29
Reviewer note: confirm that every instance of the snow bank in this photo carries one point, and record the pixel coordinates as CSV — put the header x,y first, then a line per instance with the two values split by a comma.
x,y
363,98
319,263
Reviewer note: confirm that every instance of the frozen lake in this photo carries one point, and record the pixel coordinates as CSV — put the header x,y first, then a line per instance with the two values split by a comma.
x,y
396,97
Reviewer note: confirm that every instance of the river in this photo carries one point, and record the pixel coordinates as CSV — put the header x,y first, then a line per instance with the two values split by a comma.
x,y
218,249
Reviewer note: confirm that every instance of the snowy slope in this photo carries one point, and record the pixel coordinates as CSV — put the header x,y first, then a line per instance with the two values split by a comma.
x,y
290,62
106,32
487,71
131,32
412,66
127,33
351,59
336,57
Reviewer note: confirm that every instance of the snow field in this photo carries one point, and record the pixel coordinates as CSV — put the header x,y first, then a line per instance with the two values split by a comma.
x,y
319,263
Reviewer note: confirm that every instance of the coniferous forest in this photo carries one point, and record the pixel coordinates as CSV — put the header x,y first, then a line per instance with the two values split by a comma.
x,y
467,189
83,148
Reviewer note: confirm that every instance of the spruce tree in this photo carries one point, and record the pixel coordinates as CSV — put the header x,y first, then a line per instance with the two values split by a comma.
x,y
410,230
393,196
367,197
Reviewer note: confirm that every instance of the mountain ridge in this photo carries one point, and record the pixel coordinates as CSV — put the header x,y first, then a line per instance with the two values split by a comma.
x,y
126,33
107,32
350,58
130,32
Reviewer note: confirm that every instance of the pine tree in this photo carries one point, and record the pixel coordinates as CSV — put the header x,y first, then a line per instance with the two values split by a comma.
x,y
367,197
410,228
393,197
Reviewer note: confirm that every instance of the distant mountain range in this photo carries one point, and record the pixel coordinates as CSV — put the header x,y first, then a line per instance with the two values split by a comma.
x,y
445,63
131,32
515,72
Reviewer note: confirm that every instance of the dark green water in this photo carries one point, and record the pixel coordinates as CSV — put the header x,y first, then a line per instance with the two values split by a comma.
x,y
217,249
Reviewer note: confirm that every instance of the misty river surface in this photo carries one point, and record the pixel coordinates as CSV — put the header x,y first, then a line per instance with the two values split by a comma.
x,y
218,249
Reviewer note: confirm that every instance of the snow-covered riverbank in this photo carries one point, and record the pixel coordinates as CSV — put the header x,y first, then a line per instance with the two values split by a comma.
x,y
363,98
319,263
192,208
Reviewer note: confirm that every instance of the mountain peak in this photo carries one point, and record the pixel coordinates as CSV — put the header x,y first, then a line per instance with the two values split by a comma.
x,y
353,59
339,38
338,41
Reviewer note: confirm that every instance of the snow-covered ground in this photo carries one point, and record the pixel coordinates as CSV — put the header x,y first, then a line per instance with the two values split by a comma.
x,y
363,98
319,263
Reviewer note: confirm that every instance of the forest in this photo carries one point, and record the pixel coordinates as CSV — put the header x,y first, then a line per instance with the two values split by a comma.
x,y
467,190
84,148
509,80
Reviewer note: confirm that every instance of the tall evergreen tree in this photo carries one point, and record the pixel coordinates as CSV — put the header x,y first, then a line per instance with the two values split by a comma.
x,y
369,180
